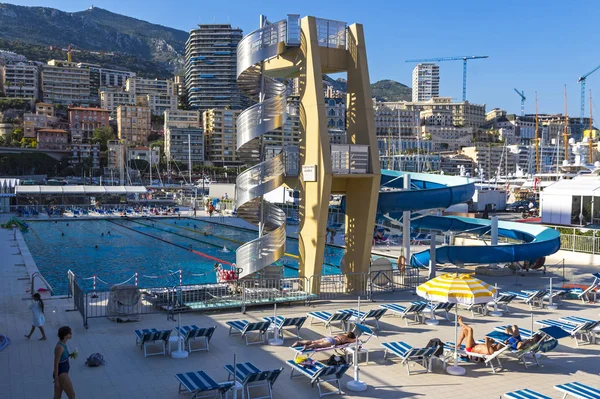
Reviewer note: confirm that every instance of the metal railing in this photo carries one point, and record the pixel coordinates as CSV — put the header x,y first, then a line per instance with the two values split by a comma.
x,y
240,294
331,34
349,158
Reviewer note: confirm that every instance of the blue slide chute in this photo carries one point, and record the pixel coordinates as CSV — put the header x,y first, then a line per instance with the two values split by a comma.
x,y
439,191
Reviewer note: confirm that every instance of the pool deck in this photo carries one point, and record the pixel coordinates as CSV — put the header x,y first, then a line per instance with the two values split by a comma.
x,y
27,365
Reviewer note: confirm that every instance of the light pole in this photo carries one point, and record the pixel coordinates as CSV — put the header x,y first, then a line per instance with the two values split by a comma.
x,y
190,157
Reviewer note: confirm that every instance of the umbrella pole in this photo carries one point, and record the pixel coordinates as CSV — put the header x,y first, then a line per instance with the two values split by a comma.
x,y
456,369
356,384
275,341
432,321
180,353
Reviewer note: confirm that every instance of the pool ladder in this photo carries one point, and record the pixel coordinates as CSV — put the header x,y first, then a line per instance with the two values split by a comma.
x,y
39,275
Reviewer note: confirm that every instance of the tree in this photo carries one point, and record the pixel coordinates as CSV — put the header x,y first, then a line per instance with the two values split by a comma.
x,y
17,135
102,135
28,142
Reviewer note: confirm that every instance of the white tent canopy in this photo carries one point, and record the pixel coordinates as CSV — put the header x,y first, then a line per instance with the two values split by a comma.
x,y
80,190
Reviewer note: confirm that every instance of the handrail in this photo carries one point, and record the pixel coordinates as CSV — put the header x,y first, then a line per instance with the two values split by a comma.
x,y
39,275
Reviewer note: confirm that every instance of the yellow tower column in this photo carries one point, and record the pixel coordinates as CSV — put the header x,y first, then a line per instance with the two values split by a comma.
x,y
362,192
314,151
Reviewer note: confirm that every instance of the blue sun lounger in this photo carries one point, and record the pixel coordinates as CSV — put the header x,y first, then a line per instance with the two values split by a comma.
x,y
583,333
449,348
193,333
151,336
283,322
533,299
251,376
197,382
362,317
415,308
578,390
244,327
409,354
329,319
319,373
525,394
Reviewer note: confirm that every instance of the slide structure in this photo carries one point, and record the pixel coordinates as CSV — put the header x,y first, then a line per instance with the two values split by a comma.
x,y
15,222
439,191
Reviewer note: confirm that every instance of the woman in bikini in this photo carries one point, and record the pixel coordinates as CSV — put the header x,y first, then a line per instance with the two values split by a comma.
x,y
326,342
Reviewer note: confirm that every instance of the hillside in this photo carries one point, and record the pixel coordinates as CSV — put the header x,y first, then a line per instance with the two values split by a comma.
x,y
383,90
94,29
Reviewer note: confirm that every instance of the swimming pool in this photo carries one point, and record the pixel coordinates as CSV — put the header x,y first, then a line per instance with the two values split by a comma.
x,y
154,248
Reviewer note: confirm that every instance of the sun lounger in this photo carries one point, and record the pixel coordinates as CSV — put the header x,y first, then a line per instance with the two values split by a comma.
x,y
244,327
364,333
373,314
583,332
533,299
415,308
329,319
525,394
194,333
197,382
528,355
557,294
319,373
578,320
409,354
251,376
283,322
151,336
592,291
502,300
449,348
433,308
578,390
477,309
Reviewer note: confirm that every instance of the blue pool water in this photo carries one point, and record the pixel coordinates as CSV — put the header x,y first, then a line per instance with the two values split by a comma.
x,y
143,246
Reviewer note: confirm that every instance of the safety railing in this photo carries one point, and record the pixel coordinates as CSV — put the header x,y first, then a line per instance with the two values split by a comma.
x,y
331,34
349,159
240,294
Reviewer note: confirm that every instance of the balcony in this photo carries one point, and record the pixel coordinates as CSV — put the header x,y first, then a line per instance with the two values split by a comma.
x,y
346,159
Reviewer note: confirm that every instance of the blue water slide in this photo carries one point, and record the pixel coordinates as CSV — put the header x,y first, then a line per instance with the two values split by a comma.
x,y
438,191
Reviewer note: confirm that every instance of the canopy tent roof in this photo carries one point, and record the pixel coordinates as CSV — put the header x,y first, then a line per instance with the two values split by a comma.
x,y
80,190
585,185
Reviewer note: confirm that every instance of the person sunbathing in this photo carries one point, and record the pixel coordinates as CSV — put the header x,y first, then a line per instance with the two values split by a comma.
x,y
487,348
515,342
326,342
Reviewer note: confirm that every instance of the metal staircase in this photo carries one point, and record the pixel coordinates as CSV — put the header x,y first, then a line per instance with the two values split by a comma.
x,y
268,114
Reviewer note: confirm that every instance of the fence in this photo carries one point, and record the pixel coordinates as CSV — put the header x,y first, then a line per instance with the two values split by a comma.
x,y
240,294
577,239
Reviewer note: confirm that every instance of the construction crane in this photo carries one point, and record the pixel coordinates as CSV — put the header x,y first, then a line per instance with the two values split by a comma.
x,y
581,81
522,95
464,59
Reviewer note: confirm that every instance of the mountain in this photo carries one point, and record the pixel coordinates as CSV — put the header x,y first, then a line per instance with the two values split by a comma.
x,y
383,90
94,31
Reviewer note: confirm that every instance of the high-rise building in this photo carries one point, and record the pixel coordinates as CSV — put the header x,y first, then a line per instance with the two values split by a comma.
x,y
156,94
178,125
19,79
64,83
134,124
81,152
210,67
83,122
425,82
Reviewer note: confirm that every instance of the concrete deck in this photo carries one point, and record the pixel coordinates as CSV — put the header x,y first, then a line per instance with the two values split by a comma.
x,y
27,365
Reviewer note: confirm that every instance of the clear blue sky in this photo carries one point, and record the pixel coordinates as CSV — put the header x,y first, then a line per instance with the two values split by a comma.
x,y
533,44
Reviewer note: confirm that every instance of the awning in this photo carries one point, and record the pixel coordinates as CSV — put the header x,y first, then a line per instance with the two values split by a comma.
x,y
80,190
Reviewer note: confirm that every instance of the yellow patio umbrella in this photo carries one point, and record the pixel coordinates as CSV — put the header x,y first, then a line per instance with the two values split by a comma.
x,y
458,288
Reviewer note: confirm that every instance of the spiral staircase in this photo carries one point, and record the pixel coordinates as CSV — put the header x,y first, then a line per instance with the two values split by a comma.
x,y
267,114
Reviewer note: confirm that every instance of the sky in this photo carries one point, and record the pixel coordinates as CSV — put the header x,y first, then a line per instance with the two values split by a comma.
x,y
533,45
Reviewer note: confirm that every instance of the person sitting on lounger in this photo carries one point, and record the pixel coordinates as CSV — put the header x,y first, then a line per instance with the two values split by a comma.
x,y
488,348
515,342
326,342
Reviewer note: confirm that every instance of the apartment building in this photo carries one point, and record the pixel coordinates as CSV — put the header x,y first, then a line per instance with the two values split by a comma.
x,y
411,162
394,119
81,152
492,159
64,83
425,82
19,79
116,159
464,113
158,103
112,97
104,77
144,153
32,122
83,122
456,164
44,109
210,67
141,86
52,139
182,119
185,145
447,138
134,124
221,136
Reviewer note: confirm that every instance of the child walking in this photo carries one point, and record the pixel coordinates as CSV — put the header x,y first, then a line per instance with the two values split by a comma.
x,y
37,310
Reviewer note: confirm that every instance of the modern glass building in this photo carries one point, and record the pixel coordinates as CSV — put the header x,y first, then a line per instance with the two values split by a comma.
x,y
210,67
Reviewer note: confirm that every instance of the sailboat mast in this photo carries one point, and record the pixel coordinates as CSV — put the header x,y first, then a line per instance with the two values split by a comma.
x,y
591,138
566,132
537,137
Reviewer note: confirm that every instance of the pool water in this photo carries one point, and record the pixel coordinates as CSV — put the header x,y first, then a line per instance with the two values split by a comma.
x,y
144,246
